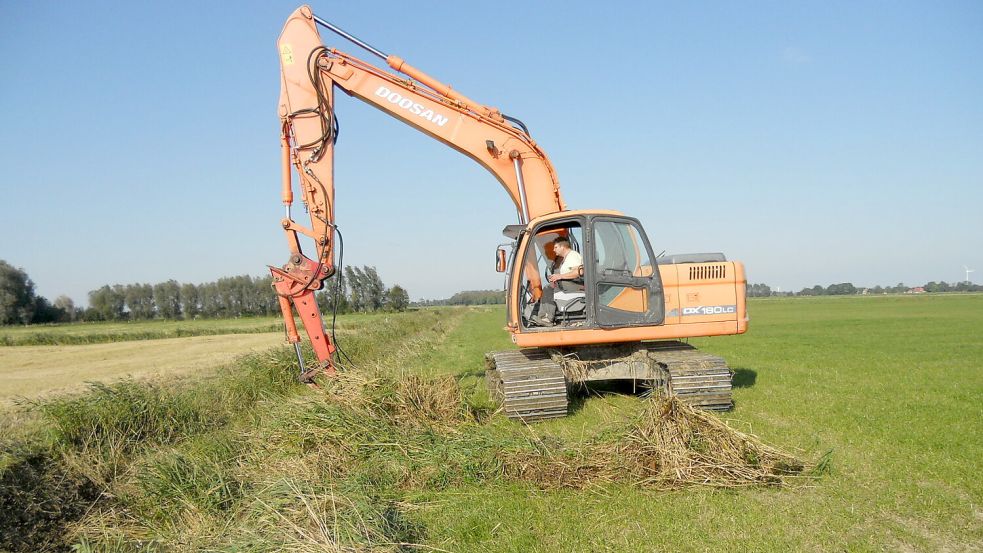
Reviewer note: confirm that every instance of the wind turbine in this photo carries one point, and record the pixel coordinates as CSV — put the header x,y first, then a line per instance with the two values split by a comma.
x,y
968,270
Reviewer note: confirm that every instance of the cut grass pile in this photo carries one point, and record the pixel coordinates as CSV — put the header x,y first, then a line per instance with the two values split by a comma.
x,y
669,445
252,461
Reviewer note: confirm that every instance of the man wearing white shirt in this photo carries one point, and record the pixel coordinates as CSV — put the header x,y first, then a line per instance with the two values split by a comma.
x,y
570,267
565,278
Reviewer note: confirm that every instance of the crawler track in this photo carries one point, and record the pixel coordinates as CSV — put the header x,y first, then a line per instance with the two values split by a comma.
x,y
698,378
532,384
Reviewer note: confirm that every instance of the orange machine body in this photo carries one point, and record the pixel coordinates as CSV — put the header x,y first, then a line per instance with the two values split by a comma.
x,y
701,299
696,306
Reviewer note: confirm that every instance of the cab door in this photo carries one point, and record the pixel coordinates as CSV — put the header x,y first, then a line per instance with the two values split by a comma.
x,y
626,287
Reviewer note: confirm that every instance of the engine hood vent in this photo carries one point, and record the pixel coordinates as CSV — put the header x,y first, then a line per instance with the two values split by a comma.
x,y
707,272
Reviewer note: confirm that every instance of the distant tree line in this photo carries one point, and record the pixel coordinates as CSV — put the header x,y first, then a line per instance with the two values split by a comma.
x,y
359,289
238,296
848,289
958,287
470,297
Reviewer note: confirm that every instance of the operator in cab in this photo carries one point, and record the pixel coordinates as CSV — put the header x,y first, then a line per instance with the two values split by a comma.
x,y
567,277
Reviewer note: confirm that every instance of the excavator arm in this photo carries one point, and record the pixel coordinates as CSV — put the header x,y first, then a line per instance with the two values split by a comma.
x,y
310,72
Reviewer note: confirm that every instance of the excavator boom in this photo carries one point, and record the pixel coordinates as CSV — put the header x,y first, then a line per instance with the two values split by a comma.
x,y
310,73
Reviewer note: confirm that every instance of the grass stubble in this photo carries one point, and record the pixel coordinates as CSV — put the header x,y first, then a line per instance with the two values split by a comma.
x,y
104,332
64,334
251,461
33,372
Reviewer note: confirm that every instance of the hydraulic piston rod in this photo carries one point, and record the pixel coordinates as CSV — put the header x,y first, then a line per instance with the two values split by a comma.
x,y
300,358
399,64
522,186
343,34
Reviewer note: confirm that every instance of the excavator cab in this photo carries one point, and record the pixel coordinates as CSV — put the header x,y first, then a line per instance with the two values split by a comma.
x,y
619,285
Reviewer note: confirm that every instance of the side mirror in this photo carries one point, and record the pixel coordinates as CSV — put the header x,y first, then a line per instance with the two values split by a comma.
x,y
500,260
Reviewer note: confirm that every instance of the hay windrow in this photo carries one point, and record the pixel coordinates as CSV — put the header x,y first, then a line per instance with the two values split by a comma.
x,y
407,400
668,446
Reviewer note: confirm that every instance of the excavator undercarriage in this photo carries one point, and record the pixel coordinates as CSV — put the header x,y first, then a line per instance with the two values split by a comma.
x,y
533,384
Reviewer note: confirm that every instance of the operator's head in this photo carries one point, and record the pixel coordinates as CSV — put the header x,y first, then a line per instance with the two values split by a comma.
x,y
561,246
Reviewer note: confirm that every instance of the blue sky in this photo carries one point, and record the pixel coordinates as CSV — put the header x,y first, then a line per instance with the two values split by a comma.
x,y
817,142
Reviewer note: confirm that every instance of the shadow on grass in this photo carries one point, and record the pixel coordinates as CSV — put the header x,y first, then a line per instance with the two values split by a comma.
x,y
476,373
576,400
580,393
744,378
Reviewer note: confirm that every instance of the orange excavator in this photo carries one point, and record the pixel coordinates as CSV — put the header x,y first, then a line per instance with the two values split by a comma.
x,y
622,315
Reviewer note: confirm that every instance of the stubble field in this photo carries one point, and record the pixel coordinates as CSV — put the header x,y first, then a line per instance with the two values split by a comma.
x,y
883,393
32,372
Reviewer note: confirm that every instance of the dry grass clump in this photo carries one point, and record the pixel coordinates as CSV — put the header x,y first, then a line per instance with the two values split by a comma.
x,y
670,445
294,514
407,400
578,367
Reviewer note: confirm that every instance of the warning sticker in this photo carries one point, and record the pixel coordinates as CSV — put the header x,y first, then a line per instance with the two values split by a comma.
x,y
287,54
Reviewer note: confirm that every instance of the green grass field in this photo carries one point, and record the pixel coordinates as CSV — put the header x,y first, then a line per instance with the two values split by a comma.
x,y
893,386
888,389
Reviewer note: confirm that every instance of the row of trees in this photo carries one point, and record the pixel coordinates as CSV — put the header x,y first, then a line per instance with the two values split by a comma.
x,y
236,296
848,289
471,297
359,289
841,289
963,286
477,297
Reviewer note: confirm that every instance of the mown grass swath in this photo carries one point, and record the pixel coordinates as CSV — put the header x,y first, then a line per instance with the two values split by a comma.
x,y
102,333
106,332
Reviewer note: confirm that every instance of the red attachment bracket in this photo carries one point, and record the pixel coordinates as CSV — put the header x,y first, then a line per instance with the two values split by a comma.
x,y
294,285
